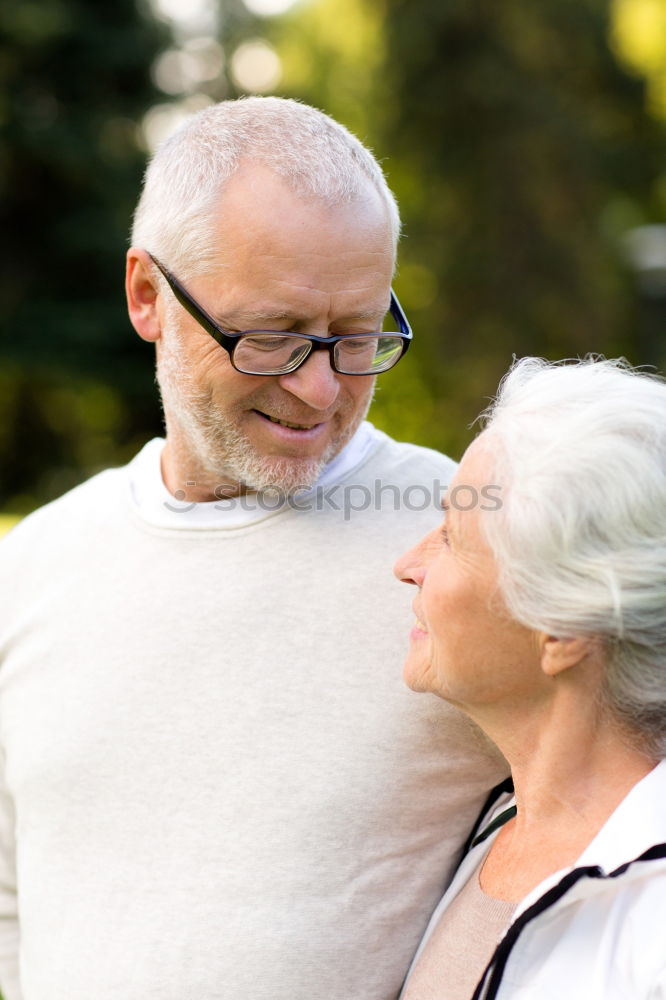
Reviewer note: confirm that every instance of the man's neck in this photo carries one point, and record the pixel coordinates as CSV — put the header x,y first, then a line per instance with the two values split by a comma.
x,y
187,479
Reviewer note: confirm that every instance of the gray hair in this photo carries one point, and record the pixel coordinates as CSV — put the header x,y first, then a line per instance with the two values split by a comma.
x,y
580,539
316,155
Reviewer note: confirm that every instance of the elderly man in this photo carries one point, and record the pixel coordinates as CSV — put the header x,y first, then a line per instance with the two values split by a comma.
x,y
215,785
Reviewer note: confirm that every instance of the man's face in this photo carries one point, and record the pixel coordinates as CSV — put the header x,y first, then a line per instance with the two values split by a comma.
x,y
288,264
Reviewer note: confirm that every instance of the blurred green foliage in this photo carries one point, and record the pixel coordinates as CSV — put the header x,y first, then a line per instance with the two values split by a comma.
x,y
523,140
74,381
638,36
521,150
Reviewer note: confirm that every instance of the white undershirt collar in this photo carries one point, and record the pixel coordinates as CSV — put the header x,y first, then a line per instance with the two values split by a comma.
x,y
156,505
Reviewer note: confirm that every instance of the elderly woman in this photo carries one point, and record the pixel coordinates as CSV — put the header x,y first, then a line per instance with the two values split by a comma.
x,y
541,613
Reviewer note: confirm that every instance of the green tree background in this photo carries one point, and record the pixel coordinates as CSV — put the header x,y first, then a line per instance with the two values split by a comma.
x,y
524,142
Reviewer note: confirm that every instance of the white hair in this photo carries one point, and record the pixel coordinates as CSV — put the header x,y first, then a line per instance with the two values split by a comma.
x,y
580,538
318,157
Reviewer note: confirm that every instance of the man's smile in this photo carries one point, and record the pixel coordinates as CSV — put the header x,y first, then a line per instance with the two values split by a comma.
x,y
287,423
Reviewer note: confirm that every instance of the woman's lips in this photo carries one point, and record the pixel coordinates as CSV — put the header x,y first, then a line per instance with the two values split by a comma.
x,y
418,630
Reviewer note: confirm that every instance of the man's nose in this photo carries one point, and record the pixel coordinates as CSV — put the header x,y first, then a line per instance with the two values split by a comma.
x,y
315,382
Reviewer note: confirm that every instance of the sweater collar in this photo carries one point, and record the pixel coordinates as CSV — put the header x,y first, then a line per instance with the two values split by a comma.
x,y
156,506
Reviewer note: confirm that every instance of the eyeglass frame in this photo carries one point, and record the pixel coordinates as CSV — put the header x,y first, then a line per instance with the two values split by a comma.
x,y
228,340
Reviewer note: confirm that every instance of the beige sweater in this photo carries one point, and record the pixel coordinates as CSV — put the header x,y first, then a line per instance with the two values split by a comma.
x,y
215,783
463,942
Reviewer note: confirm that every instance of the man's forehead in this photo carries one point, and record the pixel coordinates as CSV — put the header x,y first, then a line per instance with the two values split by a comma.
x,y
257,187
257,312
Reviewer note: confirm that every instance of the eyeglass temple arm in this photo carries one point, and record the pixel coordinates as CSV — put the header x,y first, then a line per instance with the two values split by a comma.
x,y
398,314
227,340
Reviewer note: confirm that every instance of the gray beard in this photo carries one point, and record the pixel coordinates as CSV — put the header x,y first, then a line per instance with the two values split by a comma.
x,y
220,450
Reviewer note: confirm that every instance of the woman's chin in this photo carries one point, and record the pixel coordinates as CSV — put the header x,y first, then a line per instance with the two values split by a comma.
x,y
415,675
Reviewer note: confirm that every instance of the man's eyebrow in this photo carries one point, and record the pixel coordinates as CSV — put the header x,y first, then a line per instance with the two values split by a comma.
x,y
369,313
255,320
445,505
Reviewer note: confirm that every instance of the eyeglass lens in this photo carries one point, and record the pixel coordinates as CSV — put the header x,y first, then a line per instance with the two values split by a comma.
x,y
268,354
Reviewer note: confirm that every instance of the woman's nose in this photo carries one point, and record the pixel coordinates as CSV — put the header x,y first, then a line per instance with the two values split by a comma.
x,y
408,568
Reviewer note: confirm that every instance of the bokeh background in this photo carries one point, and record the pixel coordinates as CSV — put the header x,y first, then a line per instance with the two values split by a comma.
x,y
525,141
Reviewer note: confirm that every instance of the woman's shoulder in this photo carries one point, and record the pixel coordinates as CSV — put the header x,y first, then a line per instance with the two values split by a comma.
x,y
605,939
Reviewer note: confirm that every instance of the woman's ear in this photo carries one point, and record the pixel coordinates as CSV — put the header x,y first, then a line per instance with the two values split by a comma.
x,y
558,655
142,293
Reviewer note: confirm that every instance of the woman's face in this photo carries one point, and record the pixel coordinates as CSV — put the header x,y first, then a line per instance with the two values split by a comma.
x,y
464,646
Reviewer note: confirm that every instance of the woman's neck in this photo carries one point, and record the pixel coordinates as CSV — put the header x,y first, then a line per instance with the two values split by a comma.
x,y
572,766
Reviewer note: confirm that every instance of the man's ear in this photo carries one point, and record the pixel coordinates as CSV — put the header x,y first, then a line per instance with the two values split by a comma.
x,y
142,293
558,655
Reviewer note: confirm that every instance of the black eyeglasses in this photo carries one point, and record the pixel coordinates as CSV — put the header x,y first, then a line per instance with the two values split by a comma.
x,y
268,352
